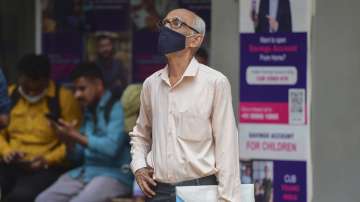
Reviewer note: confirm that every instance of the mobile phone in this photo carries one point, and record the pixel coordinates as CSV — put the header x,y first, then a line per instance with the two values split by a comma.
x,y
23,162
51,117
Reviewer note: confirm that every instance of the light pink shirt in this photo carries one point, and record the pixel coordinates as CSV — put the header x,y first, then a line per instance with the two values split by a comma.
x,y
190,129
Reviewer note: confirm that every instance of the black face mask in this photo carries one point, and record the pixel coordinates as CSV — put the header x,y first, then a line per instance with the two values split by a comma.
x,y
170,41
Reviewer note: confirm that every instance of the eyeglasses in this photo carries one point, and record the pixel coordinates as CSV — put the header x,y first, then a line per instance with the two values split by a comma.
x,y
176,23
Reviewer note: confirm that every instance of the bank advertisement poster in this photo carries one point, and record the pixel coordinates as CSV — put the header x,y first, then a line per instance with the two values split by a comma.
x,y
274,105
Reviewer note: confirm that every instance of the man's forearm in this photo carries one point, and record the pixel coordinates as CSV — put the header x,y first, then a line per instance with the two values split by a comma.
x,y
79,138
139,150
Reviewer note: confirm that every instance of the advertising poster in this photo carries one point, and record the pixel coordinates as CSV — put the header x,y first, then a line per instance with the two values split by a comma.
x,y
62,26
274,104
63,56
86,30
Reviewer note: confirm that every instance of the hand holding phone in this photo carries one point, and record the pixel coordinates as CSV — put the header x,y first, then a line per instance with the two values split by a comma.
x,y
52,118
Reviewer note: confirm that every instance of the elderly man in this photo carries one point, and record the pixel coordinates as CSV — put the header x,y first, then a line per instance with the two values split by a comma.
x,y
186,119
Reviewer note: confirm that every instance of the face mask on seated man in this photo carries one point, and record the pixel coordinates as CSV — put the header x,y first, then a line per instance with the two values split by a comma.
x,y
32,154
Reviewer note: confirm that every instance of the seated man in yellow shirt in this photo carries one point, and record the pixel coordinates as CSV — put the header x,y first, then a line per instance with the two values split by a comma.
x,y
32,155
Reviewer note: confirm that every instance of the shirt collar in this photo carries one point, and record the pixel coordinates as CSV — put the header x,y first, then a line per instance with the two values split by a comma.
x,y
104,99
101,105
192,68
191,71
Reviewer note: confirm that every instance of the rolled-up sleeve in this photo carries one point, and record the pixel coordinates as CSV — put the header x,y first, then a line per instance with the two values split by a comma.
x,y
141,134
226,143
75,153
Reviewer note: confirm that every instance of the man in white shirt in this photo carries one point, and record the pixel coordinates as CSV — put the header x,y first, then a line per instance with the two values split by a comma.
x,y
186,119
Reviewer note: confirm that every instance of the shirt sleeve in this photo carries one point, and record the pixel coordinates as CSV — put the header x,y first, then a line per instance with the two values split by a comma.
x,y
75,153
226,143
141,135
4,98
115,137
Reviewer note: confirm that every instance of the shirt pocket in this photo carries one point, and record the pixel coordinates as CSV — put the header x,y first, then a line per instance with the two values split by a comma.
x,y
193,127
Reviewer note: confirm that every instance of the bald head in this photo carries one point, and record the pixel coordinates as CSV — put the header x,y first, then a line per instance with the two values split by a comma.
x,y
189,17
186,15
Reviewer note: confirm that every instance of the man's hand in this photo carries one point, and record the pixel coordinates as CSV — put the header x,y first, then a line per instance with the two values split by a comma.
x,y
65,130
255,18
4,120
69,134
144,179
13,157
38,163
273,23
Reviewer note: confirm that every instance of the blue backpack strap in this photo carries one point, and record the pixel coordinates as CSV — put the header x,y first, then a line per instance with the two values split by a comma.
x,y
108,107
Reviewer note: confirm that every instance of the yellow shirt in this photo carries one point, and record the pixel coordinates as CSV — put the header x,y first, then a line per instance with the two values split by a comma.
x,y
130,101
29,130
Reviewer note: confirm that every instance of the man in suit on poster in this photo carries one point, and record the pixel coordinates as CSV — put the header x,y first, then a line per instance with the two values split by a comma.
x,y
273,16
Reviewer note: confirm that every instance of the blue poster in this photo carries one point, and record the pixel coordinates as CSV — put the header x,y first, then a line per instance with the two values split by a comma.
x,y
274,105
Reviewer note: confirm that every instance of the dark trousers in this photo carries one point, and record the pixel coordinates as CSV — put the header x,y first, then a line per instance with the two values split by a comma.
x,y
21,185
167,193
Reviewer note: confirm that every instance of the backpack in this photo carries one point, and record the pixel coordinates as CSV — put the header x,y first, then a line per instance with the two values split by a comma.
x,y
53,102
109,106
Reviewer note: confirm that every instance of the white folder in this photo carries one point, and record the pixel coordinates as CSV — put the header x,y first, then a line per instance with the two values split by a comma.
x,y
209,193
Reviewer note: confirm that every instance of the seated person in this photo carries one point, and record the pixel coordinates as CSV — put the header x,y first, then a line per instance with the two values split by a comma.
x,y
32,155
101,143
114,72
